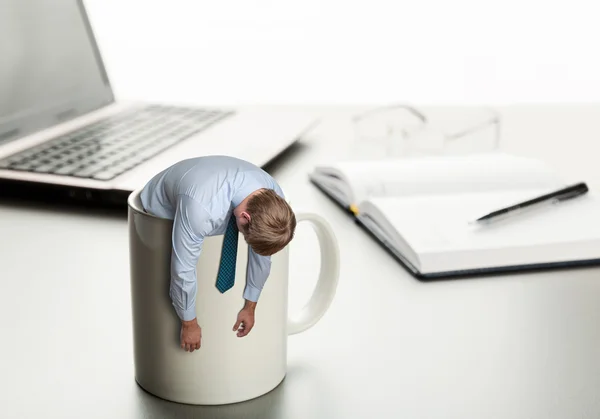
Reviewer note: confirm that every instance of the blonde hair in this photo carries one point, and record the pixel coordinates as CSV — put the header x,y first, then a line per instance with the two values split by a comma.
x,y
272,223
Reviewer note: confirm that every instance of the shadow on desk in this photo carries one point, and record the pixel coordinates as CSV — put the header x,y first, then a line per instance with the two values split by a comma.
x,y
62,208
285,157
300,394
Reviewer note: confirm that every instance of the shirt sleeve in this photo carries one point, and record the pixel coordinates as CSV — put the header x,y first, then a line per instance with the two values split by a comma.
x,y
259,268
191,224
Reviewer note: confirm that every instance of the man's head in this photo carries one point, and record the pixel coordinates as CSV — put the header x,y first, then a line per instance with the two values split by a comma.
x,y
266,220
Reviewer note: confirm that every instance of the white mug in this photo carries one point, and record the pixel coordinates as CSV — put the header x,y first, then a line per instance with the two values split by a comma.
x,y
226,368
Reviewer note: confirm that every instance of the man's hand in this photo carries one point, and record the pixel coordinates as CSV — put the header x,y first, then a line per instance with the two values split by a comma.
x,y
245,319
191,335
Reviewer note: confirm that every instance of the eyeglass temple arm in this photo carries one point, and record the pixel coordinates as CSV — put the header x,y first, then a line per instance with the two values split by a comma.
x,y
409,108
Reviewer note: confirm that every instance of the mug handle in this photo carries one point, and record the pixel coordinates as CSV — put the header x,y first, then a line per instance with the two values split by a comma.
x,y
328,275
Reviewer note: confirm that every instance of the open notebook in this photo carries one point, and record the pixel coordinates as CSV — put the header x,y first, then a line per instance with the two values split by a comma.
x,y
422,209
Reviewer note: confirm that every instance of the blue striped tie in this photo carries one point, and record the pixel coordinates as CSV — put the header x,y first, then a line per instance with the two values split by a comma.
x,y
226,276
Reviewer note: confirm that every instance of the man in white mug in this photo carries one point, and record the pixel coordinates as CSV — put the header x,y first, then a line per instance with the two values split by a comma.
x,y
214,195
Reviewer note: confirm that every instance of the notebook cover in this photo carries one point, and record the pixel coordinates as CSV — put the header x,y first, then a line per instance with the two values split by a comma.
x,y
467,273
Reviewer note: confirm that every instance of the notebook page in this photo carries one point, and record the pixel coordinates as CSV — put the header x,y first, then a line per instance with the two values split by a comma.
x,y
443,224
446,174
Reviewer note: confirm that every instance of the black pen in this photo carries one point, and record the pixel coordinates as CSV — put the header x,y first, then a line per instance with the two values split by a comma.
x,y
552,197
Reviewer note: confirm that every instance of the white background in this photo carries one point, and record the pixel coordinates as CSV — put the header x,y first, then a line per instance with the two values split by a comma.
x,y
351,51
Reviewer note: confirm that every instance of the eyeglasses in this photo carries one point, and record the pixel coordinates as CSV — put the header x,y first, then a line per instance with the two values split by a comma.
x,y
400,129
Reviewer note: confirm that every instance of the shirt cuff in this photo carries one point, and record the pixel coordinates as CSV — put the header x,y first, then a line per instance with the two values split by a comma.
x,y
185,315
251,293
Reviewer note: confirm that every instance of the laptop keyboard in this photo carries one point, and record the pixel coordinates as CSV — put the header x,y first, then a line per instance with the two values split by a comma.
x,y
111,146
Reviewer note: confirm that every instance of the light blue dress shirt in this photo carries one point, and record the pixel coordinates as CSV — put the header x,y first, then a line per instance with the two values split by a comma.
x,y
199,195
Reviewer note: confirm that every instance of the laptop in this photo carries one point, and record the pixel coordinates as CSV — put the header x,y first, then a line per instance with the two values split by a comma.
x,y
64,135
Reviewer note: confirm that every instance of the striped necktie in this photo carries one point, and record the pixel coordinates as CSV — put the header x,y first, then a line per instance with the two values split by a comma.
x,y
226,276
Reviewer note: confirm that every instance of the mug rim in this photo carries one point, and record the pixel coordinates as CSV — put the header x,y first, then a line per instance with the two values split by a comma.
x,y
134,204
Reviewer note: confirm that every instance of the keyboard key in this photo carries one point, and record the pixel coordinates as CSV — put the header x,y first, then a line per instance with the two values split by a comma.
x,y
45,168
67,169
105,175
88,171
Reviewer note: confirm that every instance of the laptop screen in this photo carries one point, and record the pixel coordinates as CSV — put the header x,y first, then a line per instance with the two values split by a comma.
x,y
50,69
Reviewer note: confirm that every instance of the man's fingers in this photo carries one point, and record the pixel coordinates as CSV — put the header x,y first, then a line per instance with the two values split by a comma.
x,y
244,331
190,347
240,329
237,325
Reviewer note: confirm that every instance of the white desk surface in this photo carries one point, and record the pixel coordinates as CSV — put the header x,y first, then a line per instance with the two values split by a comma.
x,y
518,346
